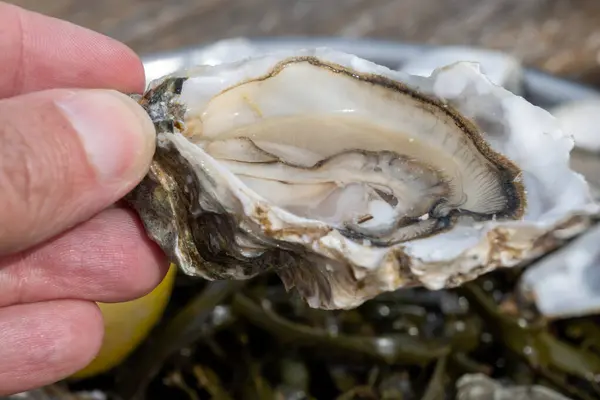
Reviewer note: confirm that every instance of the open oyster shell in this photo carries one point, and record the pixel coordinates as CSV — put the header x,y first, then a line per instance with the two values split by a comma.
x,y
481,387
349,179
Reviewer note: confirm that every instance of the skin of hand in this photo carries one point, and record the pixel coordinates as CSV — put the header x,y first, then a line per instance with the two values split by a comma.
x,y
71,145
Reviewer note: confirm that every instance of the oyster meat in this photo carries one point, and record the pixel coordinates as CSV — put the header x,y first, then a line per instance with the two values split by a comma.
x,y
349,179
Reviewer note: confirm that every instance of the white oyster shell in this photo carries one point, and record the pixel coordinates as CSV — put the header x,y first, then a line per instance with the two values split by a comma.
x,y
581,119
566,284
500,68
482,387
330,268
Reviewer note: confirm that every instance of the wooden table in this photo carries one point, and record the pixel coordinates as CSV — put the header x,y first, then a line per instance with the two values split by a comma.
x,y
558,36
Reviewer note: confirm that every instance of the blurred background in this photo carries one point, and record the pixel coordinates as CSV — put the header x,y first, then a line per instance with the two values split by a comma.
x,y
557,36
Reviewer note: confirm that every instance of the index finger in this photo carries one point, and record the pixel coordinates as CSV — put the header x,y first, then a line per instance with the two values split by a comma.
x,y
39,52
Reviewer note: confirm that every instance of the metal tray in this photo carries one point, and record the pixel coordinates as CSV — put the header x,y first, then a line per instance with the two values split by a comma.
x,y
541,89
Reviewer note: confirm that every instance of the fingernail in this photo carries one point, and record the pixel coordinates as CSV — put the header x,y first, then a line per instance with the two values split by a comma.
x,y
116,133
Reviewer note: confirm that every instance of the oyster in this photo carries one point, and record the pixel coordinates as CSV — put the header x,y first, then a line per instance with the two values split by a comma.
x,y
567,284
481,387
500,68
580,118
349,179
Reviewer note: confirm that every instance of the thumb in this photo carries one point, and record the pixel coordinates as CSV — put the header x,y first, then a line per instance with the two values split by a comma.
x,y
64,156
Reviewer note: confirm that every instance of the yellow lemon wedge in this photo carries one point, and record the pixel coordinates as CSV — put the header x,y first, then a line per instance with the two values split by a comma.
x,y
127,324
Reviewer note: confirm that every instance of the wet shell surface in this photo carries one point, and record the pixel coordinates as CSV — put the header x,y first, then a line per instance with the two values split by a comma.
x,y
349,179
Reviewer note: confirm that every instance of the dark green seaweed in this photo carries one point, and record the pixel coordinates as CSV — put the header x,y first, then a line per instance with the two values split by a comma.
x,y
253,340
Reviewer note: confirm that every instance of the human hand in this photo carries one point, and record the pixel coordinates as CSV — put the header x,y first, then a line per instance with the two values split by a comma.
x,y
66,155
